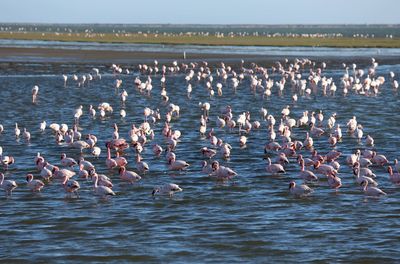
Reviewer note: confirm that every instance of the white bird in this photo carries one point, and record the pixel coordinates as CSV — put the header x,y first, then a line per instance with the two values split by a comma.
x,y
17,131
65,77
35,91
26,135
299,190
372,191
167,189
42,126
33,184
274,168
7,185
96,151
101,190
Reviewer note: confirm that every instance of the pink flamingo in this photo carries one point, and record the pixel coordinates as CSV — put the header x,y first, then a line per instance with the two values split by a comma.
x,y
101,190
7,185
129,176
70,186
33,184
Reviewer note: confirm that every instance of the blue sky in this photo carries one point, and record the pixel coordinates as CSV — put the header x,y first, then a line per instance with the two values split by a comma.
x,y
202,12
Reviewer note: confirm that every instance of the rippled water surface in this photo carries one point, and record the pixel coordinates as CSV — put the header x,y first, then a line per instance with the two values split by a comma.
x,y
253,218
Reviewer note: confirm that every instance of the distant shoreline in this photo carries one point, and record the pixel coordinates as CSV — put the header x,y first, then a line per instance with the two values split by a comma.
x,y
212,40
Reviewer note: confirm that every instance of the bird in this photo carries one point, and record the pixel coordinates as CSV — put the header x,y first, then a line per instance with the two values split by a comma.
x,y
334,181
208,153
206,168
221,173
128,176
7,185
65,78
167,189
121,161
299,190
17,131
70,186
364,174
394,176
62,173
101,190
67,162
324,169
96,151
42,126
274,168
35,91
306,175
33,184
6,161
372,191
87,165
141,166
177,165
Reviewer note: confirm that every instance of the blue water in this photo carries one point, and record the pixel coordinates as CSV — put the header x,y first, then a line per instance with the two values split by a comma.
x,y
252,219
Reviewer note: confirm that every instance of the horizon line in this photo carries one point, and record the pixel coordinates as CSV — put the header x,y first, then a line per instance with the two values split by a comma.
x,y
207,24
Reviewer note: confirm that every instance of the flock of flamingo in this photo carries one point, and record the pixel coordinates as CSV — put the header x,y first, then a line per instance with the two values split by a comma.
x,y
304,76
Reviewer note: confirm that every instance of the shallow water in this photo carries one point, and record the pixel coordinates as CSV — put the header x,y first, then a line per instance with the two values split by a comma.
x,y
251,219
201,49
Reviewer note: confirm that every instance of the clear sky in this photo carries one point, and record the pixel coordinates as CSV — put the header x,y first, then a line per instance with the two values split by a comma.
x,y
202,11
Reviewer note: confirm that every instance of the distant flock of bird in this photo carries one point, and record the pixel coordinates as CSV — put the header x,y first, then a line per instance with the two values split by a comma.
x,y
303,76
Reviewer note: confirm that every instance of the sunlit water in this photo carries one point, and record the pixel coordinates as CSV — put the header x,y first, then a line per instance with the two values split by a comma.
x,y
253,218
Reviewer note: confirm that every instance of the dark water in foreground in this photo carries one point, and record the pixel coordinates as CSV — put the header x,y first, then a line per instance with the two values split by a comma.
x,y
252,219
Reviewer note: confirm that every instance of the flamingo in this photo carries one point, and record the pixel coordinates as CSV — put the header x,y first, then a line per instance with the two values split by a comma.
x,y
7,185
70,186
209,153
67,162
206,168
65,77
7,160
177,164
87,165
34,185
35,91
372,191
102,179
121,161
167,189
324,169
394,176
334,181
110,163
101,190
141,166
96,151
45,172
82,172
274,168
17,131
360,178
221,172
306,175
379,159
129,176
62,173
42,126
299,190
157,149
